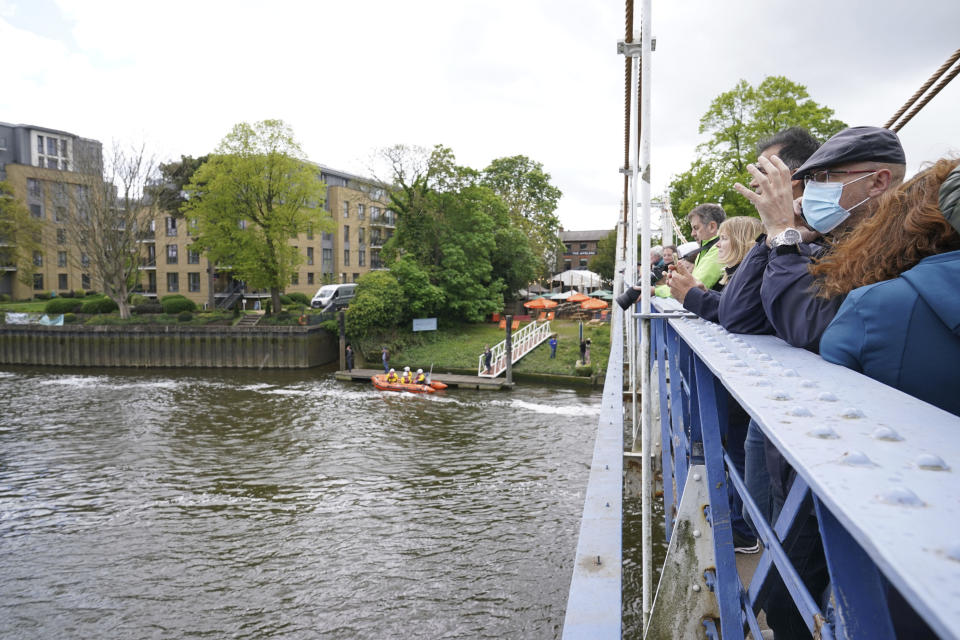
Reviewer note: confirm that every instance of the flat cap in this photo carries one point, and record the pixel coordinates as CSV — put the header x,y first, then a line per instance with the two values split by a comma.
x,y
856,144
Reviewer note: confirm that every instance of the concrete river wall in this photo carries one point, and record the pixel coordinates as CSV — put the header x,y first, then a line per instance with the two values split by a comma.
x,y
168,346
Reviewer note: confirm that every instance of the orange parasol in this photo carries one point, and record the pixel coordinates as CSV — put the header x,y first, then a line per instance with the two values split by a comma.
x,y
593,304
578,297
540,303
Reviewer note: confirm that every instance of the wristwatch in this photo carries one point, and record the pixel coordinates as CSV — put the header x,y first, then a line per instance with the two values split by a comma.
x,y
788,236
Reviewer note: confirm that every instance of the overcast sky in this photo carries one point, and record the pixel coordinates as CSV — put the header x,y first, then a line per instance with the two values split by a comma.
x,y
488,79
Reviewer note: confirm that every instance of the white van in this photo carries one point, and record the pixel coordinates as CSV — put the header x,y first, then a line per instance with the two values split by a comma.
x,y
332,297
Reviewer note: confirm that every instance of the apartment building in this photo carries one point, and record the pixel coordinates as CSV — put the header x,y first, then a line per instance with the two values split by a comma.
x,y
358,206
41,166
40,163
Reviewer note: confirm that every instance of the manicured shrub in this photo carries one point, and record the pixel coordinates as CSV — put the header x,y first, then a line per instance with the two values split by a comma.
x,y
44,295
136,298
78,293
90,293
285,299
4,297
148,307
67,294
300,298
99,305
176,304
62,305
184,316
69,318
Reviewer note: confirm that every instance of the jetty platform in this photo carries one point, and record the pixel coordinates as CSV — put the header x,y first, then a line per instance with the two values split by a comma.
x,y
450,379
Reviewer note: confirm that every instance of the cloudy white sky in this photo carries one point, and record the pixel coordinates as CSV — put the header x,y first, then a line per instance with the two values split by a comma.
x,y
488,79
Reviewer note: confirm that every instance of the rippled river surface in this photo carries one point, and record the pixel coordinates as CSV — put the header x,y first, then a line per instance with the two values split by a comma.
x,y
284,505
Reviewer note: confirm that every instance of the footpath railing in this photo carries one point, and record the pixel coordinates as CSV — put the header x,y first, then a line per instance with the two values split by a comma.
x,y
521,343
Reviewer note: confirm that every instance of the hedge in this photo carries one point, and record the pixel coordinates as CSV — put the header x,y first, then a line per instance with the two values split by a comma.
x,y
62,305
175,304
99,305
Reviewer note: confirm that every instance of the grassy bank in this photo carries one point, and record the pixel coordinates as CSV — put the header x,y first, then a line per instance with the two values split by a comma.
x,y
460,346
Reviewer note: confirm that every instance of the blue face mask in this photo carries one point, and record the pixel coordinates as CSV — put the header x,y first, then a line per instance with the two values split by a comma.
x,y
821,204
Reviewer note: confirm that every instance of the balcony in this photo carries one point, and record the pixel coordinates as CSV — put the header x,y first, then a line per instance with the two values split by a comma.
x,y
148,263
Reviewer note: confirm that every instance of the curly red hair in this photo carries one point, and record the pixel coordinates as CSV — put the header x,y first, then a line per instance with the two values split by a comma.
x,y
906,228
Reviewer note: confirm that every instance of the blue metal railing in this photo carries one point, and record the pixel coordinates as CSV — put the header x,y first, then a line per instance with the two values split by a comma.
x,y
867,459
877,467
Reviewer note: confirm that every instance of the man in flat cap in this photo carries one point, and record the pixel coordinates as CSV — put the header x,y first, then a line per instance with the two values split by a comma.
x,y
843,179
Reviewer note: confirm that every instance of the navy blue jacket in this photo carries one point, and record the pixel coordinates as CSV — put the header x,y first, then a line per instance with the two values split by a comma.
x,y
905,332
776,294
706,302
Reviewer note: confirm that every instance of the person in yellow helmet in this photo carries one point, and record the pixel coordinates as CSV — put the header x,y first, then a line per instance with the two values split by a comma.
x,y
392,376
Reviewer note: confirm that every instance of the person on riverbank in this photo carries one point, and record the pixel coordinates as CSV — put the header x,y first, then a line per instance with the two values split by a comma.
x,y
586,352
349,357
385,358
553,347
487,360
583,351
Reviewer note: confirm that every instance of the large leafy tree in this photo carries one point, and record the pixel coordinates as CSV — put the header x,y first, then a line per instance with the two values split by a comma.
x,y
532,201
250,197
175,176
19,234
735,122
455,234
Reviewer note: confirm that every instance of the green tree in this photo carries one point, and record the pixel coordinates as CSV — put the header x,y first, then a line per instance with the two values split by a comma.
x,y
19,234
532,202
604,261
377,304
251,196
736,121
457,231
175,176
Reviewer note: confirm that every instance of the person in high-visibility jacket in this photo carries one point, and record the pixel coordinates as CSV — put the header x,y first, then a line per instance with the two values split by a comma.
x,y
407,377
421,378
392,376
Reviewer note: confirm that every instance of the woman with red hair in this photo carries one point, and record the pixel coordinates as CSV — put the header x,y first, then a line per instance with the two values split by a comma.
x,y
900,270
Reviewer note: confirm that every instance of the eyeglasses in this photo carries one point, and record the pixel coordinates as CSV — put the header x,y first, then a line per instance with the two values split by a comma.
x,y
824,175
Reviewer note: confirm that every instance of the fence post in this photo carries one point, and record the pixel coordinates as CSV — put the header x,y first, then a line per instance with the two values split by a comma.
x,y
509,349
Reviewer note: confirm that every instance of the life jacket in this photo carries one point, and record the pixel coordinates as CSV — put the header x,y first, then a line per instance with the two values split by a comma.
x,y
421,379
392,377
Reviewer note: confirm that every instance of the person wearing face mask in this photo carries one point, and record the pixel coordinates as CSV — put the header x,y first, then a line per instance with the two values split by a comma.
x,y
843,180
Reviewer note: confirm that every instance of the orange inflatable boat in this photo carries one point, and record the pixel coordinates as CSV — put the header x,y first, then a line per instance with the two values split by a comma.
x,y
380,382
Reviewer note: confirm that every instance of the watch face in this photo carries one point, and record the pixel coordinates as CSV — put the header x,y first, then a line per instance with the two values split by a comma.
x,y
789,236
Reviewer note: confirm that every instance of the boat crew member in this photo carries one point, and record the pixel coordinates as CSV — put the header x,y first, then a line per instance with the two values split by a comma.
x,y
407,377
421,378
392,376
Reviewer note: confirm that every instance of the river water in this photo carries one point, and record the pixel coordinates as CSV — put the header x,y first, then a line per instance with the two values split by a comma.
x,y
243,504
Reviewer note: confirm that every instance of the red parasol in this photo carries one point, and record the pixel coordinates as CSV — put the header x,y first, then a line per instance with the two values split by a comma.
x,y
593,304
578,297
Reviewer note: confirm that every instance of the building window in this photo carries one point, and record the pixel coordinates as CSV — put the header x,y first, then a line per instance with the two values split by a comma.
x,y
295,278
309,277
343,278
310,231
346,209
193,281
374,214
328,256
360,235
171,254
346,257
193,226
84,261
62,282
583,245
61,236
61,258
36,211
356,277
567,265
360,209
361,258
3,143
38,282
193,257
309,255
59,214
37,259
85,280
583,263
346,233
374,259
33,188
173,282
171,226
